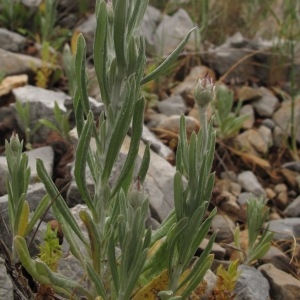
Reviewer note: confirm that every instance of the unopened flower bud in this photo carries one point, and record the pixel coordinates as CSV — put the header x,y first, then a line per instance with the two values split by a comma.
x,y
15,143
204,91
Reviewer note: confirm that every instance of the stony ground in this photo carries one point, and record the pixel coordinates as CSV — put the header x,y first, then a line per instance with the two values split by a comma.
x,y
257,160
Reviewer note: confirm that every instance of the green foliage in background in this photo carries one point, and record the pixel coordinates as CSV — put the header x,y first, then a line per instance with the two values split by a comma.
x,y
259,238
228,122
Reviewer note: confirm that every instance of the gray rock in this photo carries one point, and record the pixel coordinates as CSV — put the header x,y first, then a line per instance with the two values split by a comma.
x,y
153,119
87,28
224,227
222,58
279,259
243,198
266,135
156,145
279,137
248,111
231,175
44,153
250,183
267,104
173,105
285,228
148,26
96,107
172,124
268,123
282,117
218,251
171,31
251,285
252,142
14,64
6,284
293,209
11,41
283,286
292,165
41,106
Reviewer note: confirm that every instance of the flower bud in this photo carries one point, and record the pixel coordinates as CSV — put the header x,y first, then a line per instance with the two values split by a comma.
x,y
204,91
15,143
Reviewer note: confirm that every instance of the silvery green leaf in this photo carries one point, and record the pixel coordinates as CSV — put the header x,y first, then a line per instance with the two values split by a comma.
x,y
120,18
81,78
163,67
80,164
136,133
100,50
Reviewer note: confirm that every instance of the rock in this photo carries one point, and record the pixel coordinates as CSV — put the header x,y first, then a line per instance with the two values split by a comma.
x,y
205,287
290,177
235,188
243,198
252,142
293,209
11,82
292,165
228,203
278,259
270,194
285,228
41,106
249,183
282,117
248,111
15,64
96,107
266,135
251,285
246,93
224,227
279,137
218,251
44,153
267,104
11,41
283,286
282,200
222,58
172,124
268,123
280,187
88,28
173,105
156,145
231,175
153,119
6,283
171,31
148,26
